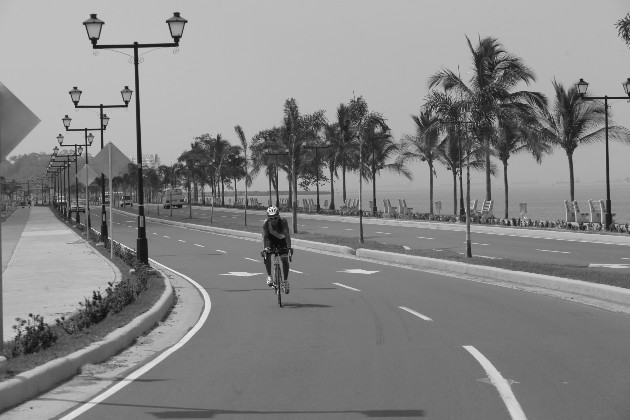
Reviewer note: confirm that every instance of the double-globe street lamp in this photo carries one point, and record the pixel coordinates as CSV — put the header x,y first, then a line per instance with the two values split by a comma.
x,y
582,86
75,95
65,160
78,151
176,25
276,153
88,139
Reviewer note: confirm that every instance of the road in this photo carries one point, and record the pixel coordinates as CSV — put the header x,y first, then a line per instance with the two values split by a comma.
x,y
359,339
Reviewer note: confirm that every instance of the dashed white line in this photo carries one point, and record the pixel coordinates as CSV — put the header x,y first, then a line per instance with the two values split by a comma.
x,y
167,237
201,246
181,240
549,250
295,271
251,259
418,314
424,237
502,385
347,287
220,250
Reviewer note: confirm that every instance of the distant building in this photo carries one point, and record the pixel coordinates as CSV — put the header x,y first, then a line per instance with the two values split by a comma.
x,y
148,161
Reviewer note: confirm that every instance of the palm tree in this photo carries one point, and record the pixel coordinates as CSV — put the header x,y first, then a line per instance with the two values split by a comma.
x,y
379,148
573,122
623,28
342,146
248,180
516,135
332,134
495,73
424,145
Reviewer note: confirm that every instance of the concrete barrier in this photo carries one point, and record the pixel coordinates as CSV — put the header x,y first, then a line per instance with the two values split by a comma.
x,y
593,290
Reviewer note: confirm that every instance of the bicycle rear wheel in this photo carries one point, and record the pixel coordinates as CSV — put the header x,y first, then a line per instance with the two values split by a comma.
x,y
278,282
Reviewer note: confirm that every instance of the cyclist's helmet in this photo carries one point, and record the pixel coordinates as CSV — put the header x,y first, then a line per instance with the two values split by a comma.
x,y
273,211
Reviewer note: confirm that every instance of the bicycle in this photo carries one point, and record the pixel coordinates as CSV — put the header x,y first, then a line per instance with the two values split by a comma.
x,y
279,284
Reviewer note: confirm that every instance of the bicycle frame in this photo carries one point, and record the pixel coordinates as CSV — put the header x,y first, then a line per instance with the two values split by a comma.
x,y
276,272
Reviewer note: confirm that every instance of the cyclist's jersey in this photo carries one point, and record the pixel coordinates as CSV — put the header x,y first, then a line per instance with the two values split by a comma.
x,y
276,237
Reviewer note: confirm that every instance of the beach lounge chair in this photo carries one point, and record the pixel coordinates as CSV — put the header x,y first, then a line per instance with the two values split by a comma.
x,y
472,207
438,207
393,211
486,210
596,214
523,209
602,206
408,210
404,211
573,214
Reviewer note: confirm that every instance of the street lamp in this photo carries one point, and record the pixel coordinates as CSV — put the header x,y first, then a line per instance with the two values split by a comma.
x,y
582,86
65,160
75,96
176,24
89,138
78,151
326,145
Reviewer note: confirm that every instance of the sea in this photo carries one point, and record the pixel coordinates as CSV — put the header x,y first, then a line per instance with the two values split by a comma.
x,y
543,201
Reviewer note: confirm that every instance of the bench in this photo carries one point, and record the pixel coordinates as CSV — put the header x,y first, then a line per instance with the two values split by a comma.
x,y
573,214
486,210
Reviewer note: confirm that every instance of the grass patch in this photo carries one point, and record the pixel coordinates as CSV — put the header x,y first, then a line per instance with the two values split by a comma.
x,y
591,275
69,343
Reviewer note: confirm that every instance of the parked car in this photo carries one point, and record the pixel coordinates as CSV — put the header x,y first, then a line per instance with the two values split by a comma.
x,y
126,201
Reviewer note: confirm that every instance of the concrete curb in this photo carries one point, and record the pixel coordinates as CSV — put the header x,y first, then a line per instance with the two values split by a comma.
x,y
320,246
36,381
593,290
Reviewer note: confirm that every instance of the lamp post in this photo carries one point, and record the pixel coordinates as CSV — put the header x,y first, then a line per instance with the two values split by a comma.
x,y
326,145
75,96
582,86
176,25
78,151
89,138
276,154
66,159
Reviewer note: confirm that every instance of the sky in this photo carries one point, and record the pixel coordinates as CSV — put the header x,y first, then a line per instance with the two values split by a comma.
x,y
239,61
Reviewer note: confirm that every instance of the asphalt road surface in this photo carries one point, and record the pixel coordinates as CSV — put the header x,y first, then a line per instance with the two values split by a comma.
x,y
359,339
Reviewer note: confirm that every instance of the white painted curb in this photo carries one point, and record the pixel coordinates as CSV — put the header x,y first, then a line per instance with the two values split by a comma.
x,y
36,381
579,287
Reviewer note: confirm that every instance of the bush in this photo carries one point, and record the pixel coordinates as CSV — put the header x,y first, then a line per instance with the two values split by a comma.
x,y
32,335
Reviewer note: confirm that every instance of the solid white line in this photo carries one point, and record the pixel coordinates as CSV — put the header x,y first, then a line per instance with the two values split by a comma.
x,y
557,252
144,369
347,287
251,259
295,271
418,314
516,412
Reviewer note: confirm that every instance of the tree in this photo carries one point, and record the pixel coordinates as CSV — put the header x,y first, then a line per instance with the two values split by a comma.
x,y
623,28
573,122
248,180
495,73
424,145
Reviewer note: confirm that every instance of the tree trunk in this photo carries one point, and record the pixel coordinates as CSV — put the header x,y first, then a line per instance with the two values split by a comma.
x,y
332,190
343,179
430,188
505,184
373,209
488,181
571,184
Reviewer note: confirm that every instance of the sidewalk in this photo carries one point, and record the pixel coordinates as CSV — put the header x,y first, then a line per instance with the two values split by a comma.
x,y
50,270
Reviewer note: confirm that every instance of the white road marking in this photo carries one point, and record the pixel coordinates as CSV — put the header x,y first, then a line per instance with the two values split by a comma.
x,y
357,271
323,227
145,368
609,265
240,274
251,259
418,314
201,246
295,271
219,250
549,250
154,233
475,243
503,386
347,287
167,237
480,256
406,247
349,229
181,240
424,237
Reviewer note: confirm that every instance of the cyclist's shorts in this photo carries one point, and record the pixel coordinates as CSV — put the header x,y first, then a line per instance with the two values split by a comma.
x,y
279,243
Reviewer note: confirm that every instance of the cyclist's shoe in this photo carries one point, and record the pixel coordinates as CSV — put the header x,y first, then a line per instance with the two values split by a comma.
x,y
269,281
286,286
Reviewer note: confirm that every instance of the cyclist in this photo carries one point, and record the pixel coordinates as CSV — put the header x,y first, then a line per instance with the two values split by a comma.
x,y
276,233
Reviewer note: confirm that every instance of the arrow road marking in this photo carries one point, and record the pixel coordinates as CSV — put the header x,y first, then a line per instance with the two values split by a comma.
x,y
418,314
503,386
357,271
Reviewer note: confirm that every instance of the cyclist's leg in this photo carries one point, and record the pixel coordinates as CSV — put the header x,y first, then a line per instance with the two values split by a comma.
x,y
267,261
285,265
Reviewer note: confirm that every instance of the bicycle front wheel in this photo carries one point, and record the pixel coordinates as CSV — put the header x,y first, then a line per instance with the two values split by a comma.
x,y
278,282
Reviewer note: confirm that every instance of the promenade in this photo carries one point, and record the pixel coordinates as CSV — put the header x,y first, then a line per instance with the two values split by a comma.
x,y
47,269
